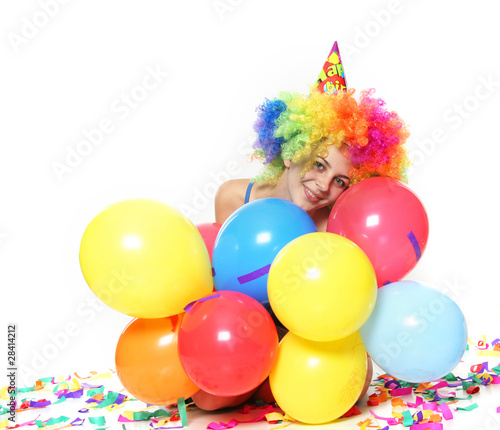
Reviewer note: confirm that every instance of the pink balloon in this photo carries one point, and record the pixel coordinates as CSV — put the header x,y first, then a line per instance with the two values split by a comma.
x,y
387,221
209,232
227,343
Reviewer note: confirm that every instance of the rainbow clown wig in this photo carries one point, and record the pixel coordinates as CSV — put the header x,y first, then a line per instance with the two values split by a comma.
x,y
301,127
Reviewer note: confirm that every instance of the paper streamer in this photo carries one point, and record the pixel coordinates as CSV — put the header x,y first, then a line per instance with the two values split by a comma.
x,y
400,391
415,244
427,426
189,306
254,275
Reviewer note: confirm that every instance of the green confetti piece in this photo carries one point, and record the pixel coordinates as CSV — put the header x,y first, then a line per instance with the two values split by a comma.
x,y
496,369
146,415
60,400
141,416
405,384
109,399
407,419
26,389
162,413
468,408
450,377
56,388
447,399
466,385
51,422
181,405
100,421
478,380
94,391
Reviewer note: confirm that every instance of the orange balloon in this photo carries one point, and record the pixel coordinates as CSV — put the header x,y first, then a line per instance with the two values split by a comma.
x,y
148,364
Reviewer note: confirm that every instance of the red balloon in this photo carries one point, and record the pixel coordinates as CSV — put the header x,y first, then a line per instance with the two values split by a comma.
x,y
209,232
387,221
227,343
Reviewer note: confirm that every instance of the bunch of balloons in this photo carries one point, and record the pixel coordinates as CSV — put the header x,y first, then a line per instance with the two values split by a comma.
x,y
145,259
198,297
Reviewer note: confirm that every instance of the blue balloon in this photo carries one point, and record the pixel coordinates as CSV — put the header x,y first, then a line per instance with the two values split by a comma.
x,y
415,333
249,240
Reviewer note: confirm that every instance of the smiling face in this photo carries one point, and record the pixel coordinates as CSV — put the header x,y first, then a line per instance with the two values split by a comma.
x,y
321,185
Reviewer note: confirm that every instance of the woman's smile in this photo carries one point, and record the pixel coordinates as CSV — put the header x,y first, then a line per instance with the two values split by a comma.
x,y
312,197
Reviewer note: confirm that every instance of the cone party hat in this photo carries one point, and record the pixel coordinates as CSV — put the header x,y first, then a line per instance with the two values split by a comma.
x,y
331,78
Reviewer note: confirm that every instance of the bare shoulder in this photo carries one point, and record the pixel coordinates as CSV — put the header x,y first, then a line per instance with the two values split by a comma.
x,y
229,197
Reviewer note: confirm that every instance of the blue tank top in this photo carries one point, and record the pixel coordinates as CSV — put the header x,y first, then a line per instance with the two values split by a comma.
x,y
247,195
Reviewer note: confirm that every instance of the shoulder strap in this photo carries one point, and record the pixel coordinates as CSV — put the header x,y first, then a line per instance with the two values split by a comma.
x,y
247,195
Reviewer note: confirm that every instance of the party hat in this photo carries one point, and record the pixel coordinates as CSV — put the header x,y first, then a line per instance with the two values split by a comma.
x,y
332,79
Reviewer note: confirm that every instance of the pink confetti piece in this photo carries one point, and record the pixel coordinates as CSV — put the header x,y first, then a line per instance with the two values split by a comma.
x,y
396,392
260,416
498,410
418,402
444,394
28,423
445,411
222,426
440,384
391,384
430,406
169,427
427,426
390,421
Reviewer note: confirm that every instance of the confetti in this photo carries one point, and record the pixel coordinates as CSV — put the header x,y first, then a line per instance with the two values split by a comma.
x,y
432,400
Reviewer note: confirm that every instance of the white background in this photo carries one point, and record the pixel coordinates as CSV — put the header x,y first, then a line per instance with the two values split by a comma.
x,y
67,68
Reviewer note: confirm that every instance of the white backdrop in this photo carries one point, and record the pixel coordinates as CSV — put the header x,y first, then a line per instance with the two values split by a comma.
x,y
103,101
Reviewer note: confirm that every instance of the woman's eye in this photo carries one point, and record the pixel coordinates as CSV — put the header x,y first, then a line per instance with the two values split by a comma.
x,y
319,165
340,182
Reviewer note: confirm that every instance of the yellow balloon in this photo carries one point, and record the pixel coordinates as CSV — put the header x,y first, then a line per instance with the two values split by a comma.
x,y
322,286
145,259
318,382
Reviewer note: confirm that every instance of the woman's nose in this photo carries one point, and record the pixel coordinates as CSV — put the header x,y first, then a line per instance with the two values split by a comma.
x,y
322,184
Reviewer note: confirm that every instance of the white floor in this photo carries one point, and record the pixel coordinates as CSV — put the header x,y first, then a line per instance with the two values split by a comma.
x,y
484,417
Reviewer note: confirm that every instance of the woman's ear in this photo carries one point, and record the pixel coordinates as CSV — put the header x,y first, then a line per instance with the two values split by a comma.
x,y
287,163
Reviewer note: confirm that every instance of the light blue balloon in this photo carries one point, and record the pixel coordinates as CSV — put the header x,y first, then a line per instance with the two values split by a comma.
x,y
415,333
250,239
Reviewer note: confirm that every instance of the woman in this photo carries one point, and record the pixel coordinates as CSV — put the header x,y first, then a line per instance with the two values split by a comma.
x,y
314,147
